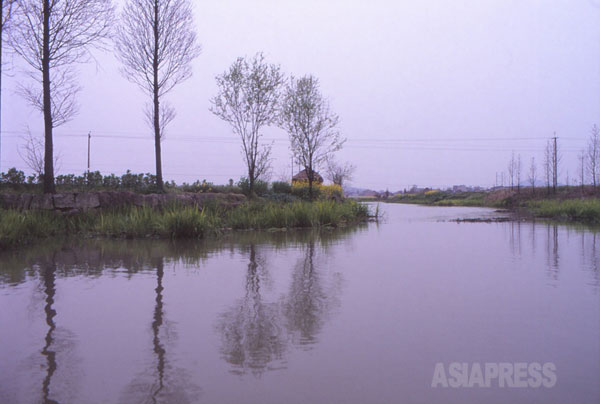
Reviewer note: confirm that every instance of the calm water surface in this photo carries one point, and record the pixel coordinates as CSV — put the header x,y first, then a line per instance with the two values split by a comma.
x,y
357,315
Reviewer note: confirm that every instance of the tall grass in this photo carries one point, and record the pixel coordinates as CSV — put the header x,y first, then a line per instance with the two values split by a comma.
x,y
586,210
176,221
20,228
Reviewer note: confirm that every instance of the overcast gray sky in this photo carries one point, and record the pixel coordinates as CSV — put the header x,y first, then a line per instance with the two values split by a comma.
x,y
429,92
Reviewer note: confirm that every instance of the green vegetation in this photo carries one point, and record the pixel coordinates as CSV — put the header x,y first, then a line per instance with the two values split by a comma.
x,y
441,198
17,228
585,211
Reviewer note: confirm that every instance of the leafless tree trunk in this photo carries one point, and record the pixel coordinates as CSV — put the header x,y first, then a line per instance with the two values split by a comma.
x,y
518,170
339,173
6,7
555,160
248,99
582,166
156,43
51,36
311,125
548,164
511,170
532,174
593,154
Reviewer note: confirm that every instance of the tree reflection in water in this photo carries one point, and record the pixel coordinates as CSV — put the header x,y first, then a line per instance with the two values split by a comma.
x,y
163,383
306,302
49,279
256,334
251,330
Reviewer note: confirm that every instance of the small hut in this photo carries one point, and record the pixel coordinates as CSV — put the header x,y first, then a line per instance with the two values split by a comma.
x,y
303,177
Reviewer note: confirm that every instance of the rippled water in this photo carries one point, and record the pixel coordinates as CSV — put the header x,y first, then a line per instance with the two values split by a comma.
x,y
354,315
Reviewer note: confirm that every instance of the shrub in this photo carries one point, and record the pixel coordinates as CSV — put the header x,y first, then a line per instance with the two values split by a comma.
x,y
332,191
281,187
111,181
93,179
261,188
300,190
13,177
320,191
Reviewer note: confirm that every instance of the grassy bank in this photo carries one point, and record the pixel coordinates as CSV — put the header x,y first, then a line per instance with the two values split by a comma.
x,y
440,198
176,222
572,210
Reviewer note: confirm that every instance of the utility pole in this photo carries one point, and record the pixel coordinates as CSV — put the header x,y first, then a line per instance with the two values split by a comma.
x,y
555,168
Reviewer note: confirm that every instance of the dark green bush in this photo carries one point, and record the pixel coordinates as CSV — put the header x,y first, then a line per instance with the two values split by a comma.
x,y
281,187
261,188
13,177
301,190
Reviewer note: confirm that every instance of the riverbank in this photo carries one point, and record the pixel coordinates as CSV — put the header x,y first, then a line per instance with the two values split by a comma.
x,y
568,204
175,221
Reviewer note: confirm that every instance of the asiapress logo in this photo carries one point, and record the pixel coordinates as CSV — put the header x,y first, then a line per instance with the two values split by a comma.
x,y
494,374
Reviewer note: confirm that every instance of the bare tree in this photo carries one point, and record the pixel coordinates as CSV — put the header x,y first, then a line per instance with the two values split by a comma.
x,y
248,100
6,8
311,125
518,173
339,173
51,36
532,174
32,153
593,154
548,164
156,43
511,170
582,167
555,160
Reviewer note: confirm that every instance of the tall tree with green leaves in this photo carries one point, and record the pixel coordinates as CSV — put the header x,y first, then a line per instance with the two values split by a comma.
x,y
311,125
248,100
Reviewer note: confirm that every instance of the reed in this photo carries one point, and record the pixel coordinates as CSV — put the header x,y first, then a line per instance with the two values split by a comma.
x,y
578,210
177,221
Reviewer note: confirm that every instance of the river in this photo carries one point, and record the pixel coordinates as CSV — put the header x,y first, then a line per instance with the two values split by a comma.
x,y
363,314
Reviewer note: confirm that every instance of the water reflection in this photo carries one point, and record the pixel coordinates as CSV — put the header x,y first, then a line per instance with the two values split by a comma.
x,y
157,321
556,240
49,279
306,302
251,330
168,384
256,333
592,258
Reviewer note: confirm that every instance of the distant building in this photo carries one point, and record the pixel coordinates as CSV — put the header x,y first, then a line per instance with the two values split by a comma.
x,y
465,188
416,190
460,188
303,177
